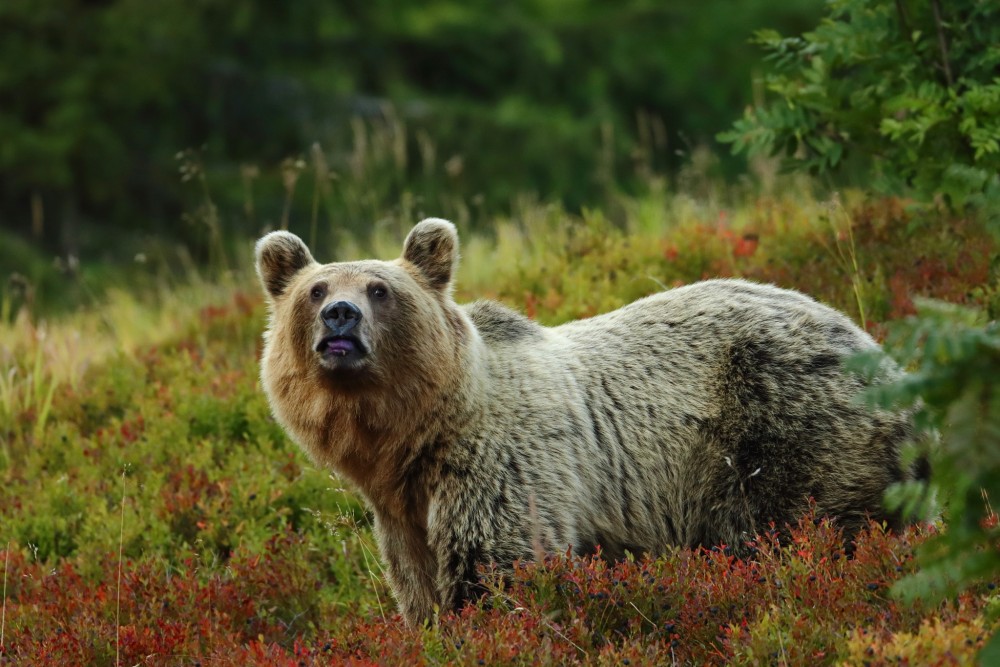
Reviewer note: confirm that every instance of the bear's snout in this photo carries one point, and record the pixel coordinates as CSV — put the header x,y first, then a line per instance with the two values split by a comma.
x,y
340,317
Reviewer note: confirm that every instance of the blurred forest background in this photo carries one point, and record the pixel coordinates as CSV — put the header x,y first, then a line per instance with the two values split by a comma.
x,y
147,128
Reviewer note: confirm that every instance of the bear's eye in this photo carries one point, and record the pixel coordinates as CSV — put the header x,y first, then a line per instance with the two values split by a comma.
x,y
318,292
379,292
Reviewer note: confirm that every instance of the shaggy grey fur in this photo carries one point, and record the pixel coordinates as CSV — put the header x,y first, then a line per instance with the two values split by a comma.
x,y
696,416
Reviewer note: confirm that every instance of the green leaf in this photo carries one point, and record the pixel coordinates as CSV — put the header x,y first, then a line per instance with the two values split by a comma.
x,y
990,655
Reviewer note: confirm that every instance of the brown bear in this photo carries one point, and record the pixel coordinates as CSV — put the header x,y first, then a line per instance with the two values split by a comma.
x,y
695,416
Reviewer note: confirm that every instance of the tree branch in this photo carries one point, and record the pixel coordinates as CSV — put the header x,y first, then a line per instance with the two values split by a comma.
x,y
904,20
942,44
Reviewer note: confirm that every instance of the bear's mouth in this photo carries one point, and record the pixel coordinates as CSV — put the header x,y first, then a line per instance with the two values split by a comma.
x,y
341,347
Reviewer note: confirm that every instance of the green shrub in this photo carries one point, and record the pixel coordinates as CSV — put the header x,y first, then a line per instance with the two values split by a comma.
x,y
955,384
910,86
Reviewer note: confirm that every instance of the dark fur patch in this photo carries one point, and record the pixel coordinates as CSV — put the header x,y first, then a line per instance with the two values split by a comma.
x,y
463,567
921,469
820,363
844,338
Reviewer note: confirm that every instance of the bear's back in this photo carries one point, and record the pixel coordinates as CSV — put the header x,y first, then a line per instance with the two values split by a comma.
x,y
714,314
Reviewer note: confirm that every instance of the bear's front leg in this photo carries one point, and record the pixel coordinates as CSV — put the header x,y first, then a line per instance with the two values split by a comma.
x,y
469,525
410,568
458,550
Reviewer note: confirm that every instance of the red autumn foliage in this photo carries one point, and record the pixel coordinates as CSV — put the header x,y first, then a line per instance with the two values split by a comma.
x,y
801,597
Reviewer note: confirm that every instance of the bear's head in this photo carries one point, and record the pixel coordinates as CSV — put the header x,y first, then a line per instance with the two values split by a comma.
x,y
362,360
358,325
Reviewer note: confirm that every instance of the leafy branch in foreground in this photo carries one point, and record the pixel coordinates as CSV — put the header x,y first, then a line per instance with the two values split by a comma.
x,y
912,85
954,384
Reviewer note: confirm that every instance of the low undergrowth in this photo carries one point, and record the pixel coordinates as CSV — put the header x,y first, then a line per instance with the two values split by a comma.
x,y
803,602
152,512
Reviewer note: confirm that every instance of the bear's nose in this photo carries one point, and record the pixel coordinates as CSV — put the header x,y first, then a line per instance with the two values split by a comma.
x,y
340,316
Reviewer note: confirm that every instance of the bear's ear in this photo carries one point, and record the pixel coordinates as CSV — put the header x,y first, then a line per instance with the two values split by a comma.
x,y
432,246
280,255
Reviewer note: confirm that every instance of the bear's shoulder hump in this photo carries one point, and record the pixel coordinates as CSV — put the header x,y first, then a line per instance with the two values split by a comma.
x,y
498,324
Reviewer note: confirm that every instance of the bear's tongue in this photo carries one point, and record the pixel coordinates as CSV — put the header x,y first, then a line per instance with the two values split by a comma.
x,y
340,347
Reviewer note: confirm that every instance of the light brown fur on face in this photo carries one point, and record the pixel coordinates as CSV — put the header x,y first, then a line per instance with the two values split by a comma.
x,y
358,420
691,417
